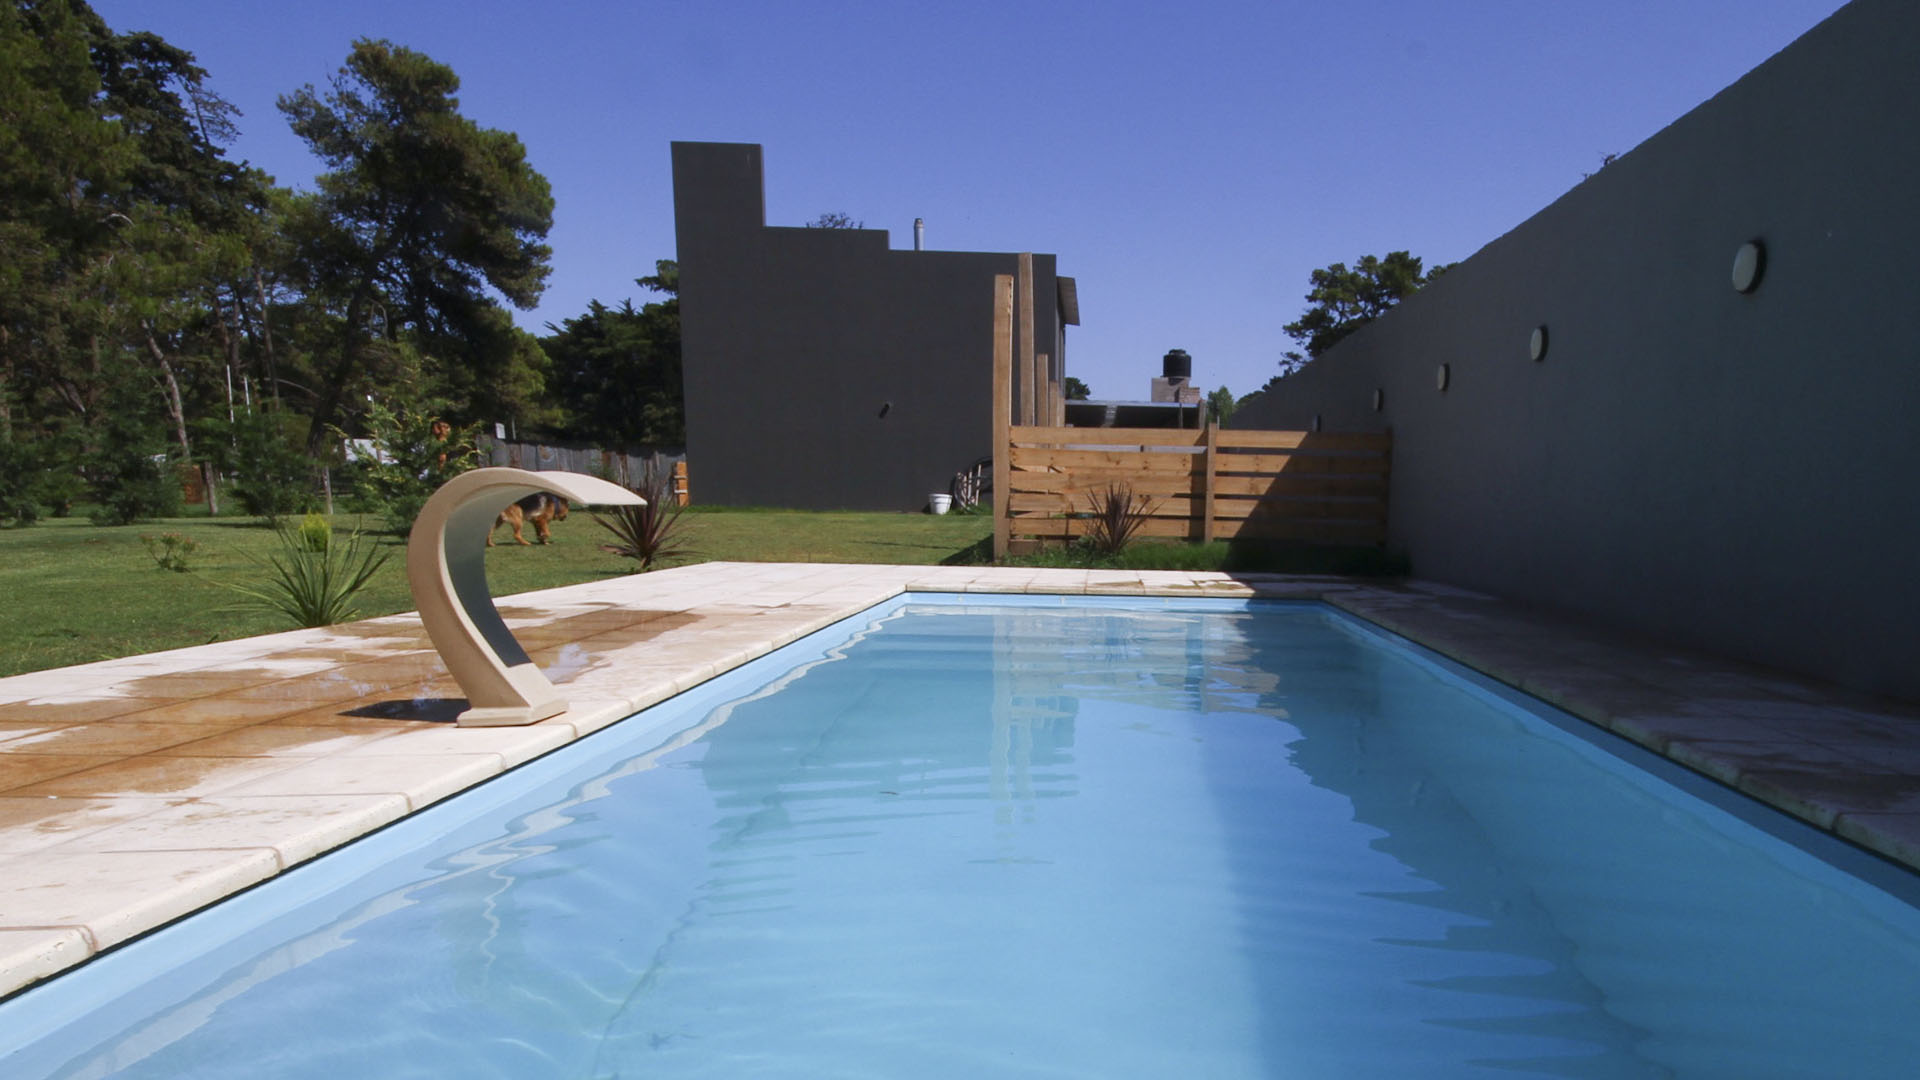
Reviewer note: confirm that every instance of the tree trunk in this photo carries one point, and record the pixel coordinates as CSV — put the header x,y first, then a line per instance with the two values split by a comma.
x,y
266,331
335,388
6,387
177,412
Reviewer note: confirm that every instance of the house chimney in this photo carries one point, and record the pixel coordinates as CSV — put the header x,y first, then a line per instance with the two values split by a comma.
x,y
919,234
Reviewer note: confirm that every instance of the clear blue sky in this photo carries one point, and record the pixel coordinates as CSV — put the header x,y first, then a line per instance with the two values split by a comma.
x,y
1189,164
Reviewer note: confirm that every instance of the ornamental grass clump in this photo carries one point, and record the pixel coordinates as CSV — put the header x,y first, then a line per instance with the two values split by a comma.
x,y
1117,516
315,586
646,534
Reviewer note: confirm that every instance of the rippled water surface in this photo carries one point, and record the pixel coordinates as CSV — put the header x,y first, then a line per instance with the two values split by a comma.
x,y
1059,840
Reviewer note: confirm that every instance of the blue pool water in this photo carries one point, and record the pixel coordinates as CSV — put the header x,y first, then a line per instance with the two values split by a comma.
x,y
1042,838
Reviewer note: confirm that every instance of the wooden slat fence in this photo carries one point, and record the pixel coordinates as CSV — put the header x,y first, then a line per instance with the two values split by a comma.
x,y
1319,487
1210,484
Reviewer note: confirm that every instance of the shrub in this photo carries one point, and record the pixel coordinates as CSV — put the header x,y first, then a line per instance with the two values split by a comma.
x,y
315,587
650,533
131,468
1117,516
314,533
413,452
171,551
132,486
260,451
18,466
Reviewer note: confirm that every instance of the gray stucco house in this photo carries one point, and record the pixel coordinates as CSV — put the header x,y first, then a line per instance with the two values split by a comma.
x,y
823,369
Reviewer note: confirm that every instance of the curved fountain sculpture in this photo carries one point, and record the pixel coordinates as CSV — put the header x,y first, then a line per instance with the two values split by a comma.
x,y
446,569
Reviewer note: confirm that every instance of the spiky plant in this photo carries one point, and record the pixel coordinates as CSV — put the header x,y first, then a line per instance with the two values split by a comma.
x,y
315,588
1117,515
646,534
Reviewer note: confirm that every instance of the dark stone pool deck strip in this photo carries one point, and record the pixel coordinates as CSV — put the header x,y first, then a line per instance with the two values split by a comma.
x,y
136,791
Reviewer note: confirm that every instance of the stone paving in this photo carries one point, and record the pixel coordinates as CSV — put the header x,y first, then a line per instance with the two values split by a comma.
x,y
135,791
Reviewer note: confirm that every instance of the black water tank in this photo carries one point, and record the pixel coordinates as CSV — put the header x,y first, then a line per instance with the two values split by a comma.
x,y
1177,364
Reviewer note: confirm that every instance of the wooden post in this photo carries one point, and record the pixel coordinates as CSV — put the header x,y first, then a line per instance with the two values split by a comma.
x,y
1210,439
682,495
1028,378
1042,390
1002,413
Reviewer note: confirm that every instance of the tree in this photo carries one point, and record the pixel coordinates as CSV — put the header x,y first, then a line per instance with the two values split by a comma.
x,y
421,212
1075,390
1221,404
834,219
616,371
119,215
1343,300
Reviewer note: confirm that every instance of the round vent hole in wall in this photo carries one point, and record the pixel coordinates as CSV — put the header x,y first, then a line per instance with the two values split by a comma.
x,y
1749,263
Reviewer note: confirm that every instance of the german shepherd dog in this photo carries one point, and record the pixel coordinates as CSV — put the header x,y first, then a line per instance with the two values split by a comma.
x,y
539,509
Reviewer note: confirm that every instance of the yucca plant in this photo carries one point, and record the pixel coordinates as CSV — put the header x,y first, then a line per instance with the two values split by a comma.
x,y
1117,515
315,587
647,534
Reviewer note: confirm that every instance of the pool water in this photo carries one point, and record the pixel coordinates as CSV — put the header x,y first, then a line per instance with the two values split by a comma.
x,y
1050,837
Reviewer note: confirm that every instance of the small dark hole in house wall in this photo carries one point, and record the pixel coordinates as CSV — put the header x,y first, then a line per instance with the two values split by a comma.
x,y
885,408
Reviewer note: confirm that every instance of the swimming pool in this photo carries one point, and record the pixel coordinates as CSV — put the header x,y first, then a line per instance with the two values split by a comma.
x,y
1043,837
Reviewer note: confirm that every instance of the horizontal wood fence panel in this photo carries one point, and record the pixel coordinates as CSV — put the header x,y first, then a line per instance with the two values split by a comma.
x,y
1135,461
1317,487
1086,483
1097,480
1117,436
1188,504
1323,532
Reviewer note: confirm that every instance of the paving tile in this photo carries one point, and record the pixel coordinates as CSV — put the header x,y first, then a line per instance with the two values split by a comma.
x,y
1897,836
1823,795
422,779
307,691
122,739
27,956
17,729
298,827
514,745
21,770
113,896
1655,731
73,709
277,740
376,714
222,713
33,822
180,777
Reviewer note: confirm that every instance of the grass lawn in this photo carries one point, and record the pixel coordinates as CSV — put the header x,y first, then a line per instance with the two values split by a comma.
x,y
79,592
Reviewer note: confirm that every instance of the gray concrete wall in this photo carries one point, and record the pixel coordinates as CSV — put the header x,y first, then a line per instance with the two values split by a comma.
x,y
1734,472
824,370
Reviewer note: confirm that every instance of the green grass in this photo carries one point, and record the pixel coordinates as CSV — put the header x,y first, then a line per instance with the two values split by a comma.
x,y
78,592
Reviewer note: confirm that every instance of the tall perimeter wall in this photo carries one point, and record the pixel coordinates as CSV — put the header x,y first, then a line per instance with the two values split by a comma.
x,y
1737,472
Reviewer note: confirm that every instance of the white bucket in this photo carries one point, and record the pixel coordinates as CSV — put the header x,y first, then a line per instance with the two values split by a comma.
x,y
939,502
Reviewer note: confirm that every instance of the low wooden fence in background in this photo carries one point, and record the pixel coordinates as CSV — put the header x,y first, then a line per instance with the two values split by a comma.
x,y
616,465
1210,484
1318,487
